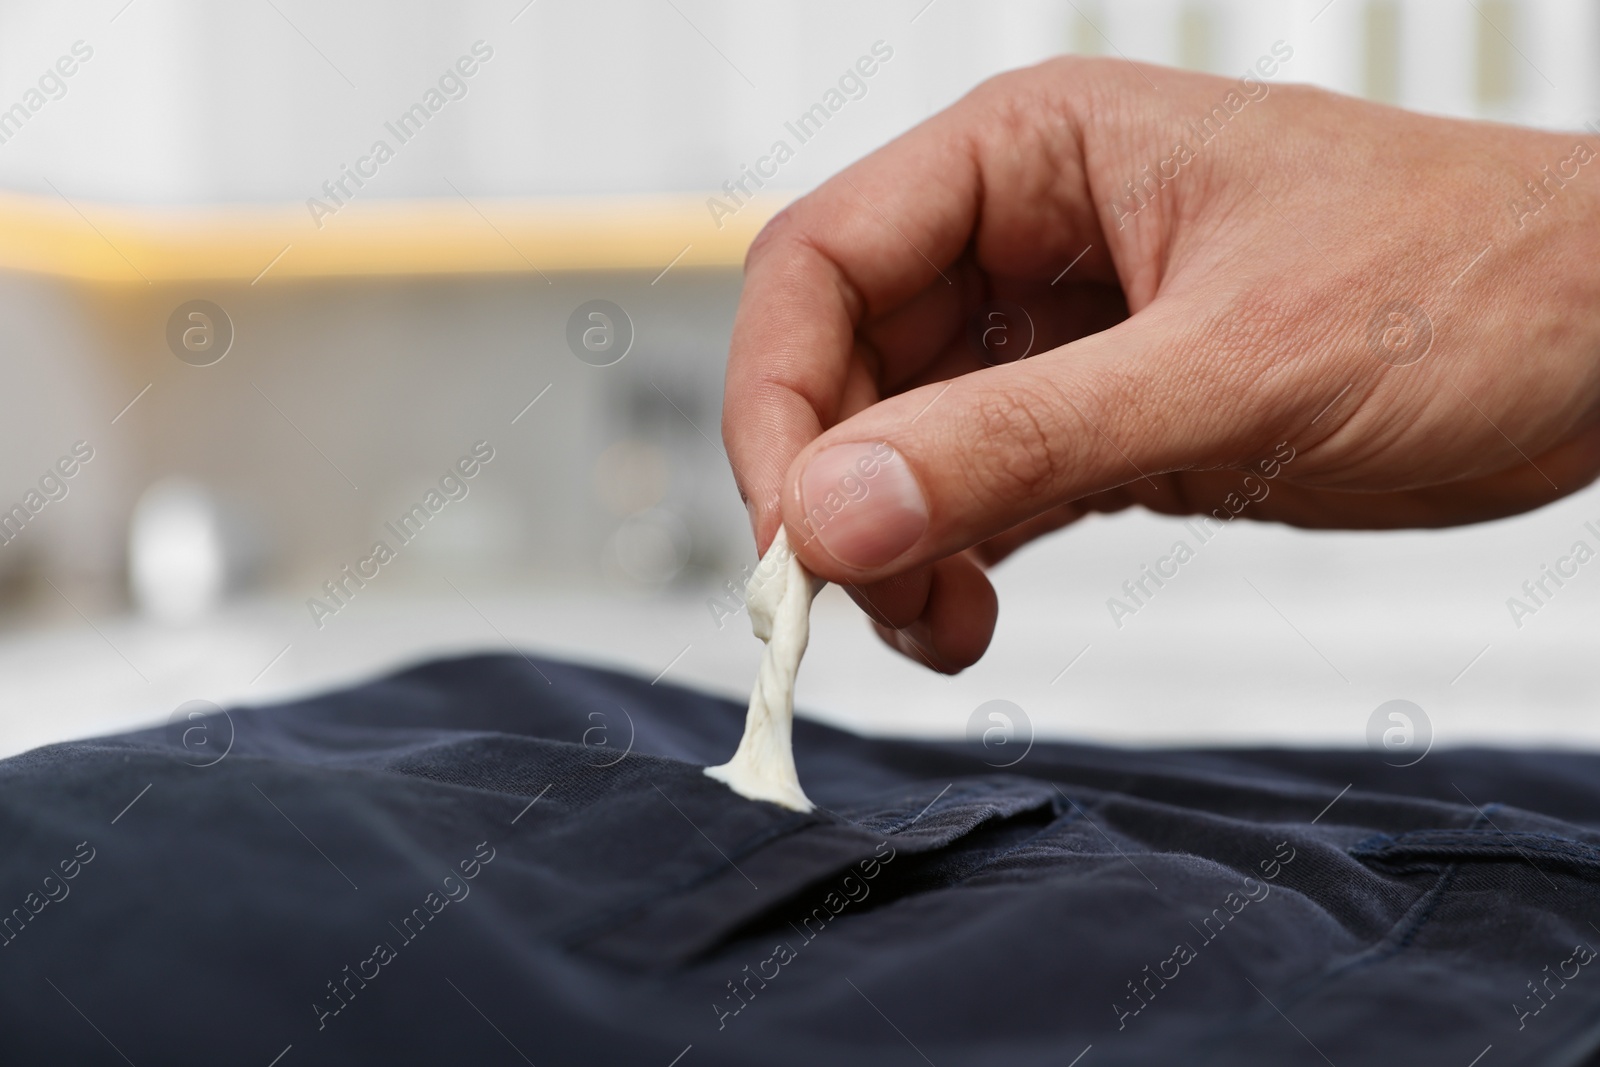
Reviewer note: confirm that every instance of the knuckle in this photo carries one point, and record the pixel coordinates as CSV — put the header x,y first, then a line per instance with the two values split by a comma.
x,y
1241,372
1017,454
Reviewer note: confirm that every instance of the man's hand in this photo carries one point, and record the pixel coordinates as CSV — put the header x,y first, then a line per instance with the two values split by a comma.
x,y
1255,271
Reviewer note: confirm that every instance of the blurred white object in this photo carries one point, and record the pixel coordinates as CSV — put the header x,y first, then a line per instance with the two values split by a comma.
x,y
177,555
59,390
651,547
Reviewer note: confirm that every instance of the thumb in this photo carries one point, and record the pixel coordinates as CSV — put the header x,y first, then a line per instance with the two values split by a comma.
x,y
933,471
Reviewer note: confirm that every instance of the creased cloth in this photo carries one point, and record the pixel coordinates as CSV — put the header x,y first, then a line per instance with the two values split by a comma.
x,y
499,860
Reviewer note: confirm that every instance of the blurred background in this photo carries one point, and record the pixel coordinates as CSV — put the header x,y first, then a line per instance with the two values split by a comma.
x,y
273,339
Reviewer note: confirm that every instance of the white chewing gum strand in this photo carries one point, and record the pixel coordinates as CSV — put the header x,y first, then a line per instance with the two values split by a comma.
x,y
779,596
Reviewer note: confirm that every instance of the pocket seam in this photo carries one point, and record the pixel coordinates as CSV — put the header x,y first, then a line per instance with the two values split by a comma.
x,y
1437,847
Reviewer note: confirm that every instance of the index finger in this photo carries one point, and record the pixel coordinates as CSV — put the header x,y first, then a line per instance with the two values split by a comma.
x,y
867,241
810,277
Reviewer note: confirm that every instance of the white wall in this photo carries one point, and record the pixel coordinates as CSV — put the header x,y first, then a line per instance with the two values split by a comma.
x,y
190,101
205,102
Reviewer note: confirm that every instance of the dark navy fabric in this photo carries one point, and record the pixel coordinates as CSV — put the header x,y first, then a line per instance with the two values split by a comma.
x,y
496,860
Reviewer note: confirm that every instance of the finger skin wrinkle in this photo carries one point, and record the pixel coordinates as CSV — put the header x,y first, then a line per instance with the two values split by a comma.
x,y
810,251
782,368
895,259
931,331
1233,373
777,225
1030,148
1139,247
1017,453
879,237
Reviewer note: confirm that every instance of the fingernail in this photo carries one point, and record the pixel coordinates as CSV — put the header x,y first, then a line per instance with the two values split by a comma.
x,y
862,503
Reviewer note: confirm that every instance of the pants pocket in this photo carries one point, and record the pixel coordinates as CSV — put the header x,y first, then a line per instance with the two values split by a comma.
x,y
1431,849
818,867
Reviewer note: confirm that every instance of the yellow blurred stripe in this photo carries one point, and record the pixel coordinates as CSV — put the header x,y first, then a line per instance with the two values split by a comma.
x,y
117,243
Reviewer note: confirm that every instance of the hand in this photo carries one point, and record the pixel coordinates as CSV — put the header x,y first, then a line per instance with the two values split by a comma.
x,y
1380,295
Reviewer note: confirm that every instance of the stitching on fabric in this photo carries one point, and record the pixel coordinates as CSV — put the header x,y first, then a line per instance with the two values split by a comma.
x,y
916,809
1508,845
591,927
1028,842
1397,939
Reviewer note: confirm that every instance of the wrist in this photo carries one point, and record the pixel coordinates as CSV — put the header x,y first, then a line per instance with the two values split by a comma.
x,y
1541,269
1561,171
